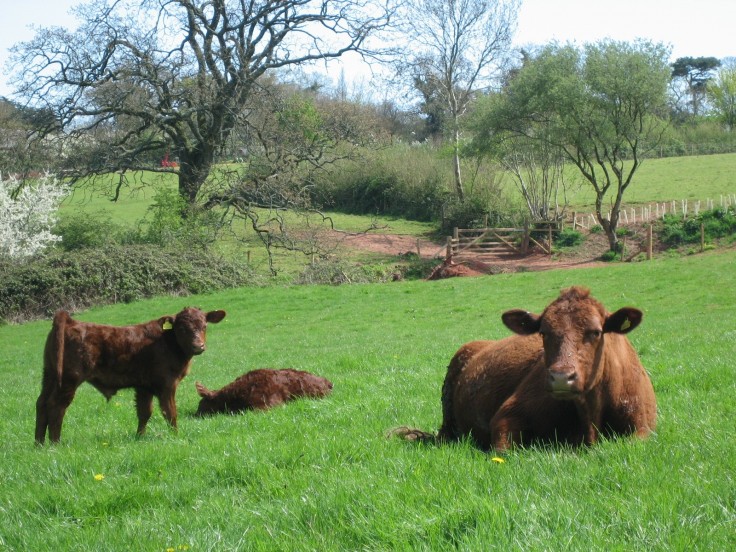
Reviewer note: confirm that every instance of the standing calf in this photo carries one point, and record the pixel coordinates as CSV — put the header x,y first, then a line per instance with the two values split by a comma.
x,y
261,389
569,375
152,358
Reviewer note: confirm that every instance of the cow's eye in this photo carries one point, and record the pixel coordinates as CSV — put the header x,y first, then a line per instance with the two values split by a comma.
x,y
594,334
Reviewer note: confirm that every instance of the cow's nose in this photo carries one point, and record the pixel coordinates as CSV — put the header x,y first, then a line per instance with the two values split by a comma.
x,y
561,381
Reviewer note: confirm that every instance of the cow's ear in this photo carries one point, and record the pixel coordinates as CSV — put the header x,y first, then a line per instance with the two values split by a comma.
x,y
203,391
521,322
166,322
215,316
623,320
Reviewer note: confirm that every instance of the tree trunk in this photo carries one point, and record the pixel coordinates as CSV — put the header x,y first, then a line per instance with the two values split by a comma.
x,y
456,164
194,168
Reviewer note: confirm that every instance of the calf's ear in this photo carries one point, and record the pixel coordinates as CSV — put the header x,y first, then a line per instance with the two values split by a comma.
x,y
623,320
202,390
521,322
215,316
166,322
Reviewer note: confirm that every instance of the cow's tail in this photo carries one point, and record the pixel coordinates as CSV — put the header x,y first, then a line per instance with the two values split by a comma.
x,y
58,327
447,431
412,434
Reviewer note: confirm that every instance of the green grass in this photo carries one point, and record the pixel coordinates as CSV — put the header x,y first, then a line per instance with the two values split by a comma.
x,y
319,475
696,178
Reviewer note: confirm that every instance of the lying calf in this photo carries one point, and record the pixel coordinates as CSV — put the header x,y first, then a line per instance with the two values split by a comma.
x,y
261,389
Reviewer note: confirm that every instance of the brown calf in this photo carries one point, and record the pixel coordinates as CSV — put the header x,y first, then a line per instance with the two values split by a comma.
x,y
261,389
152,358
569,375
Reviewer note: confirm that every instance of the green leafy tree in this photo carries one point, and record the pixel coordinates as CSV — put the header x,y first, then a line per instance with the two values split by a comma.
x,y
722,95
602,108
695,73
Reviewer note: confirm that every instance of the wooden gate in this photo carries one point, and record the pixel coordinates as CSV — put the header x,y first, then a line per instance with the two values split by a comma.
x,y
500,241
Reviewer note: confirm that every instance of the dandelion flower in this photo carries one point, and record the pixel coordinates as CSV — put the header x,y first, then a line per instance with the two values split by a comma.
x,y
99,477
498,460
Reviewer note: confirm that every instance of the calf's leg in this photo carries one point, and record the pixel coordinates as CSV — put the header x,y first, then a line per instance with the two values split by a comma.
x,y
56,405
144,408
42,415
167,401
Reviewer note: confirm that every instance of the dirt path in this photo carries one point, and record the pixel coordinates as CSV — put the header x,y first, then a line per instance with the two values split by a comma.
x,y
393,244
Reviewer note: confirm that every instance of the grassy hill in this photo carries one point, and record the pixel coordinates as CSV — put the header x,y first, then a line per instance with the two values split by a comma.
x,y
320,475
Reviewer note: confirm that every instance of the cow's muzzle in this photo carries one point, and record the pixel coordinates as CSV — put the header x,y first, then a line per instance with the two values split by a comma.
x,y
197,349
562,384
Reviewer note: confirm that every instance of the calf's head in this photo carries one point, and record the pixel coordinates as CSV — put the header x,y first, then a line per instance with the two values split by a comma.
x,y
210,403
573,330
190,328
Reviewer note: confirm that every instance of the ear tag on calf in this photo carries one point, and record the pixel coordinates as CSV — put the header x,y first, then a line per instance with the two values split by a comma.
x,y
626,325
167,325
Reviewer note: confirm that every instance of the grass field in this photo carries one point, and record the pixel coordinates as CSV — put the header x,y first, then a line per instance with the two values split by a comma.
x,y
668,179
695,178
320,475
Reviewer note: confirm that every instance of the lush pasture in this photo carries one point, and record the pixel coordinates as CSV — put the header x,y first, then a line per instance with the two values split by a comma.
x,y
320,475
657,180
695,178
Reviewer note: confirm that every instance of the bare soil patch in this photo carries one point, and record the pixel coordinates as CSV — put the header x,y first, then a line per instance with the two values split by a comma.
x,y
476,265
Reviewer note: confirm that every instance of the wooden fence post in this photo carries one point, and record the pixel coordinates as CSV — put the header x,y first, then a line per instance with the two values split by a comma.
x,y
702,237
623,248
448,253
650,239
549,238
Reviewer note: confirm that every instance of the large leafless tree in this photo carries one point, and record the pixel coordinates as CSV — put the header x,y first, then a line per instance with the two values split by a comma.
x,y
456,48
141,76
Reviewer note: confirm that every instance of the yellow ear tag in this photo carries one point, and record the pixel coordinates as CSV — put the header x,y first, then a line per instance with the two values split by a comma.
x,y
626,325
167,325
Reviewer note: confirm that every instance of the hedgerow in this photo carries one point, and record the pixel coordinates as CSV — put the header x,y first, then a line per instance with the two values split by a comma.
x,y
115,274
716,223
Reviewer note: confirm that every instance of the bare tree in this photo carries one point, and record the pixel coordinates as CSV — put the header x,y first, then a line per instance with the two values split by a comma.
x,y
457,48
141,76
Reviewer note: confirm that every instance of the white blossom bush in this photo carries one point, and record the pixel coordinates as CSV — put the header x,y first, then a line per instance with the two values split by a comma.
x,y
26,220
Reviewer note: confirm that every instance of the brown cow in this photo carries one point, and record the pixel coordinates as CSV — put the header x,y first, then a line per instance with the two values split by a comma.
x,y
568,376
261,389
152,358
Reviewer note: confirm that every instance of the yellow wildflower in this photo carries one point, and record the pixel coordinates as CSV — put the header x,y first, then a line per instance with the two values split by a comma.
x,y
99,477
498,460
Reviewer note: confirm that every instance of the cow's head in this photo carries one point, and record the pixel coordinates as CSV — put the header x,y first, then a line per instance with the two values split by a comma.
x,y
573,329
190,328
209,403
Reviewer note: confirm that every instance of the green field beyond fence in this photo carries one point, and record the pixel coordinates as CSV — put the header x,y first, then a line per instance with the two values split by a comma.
x,y
320,475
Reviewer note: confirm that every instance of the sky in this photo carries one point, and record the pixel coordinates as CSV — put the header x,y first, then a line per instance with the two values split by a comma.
x,y
690,28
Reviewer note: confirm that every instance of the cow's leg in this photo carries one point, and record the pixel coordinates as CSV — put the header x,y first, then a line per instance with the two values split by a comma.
x,y
507,425
506,431
144,408
167,401
56,405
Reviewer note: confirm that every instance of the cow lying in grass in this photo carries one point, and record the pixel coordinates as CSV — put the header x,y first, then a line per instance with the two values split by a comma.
x,y
152,358
260,390
569,375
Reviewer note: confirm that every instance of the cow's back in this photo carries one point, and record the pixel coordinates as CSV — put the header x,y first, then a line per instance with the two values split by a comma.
x,y
480,378
629,402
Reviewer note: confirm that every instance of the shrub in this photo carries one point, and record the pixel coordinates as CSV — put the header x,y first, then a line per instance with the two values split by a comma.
x,y
27,215
336,271
569,238
79,279
717,223
88,230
